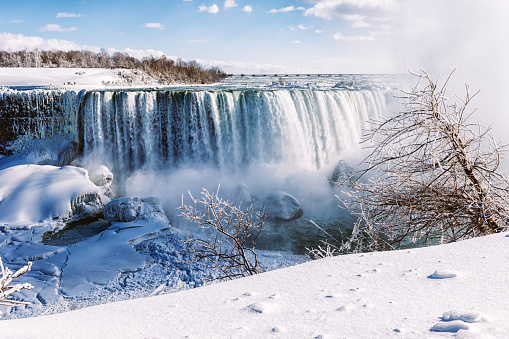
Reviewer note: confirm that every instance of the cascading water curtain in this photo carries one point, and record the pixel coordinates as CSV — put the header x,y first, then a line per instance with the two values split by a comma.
x,y
164,129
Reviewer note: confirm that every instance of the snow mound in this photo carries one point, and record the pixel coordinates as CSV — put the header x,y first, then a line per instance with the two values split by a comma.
x,y
451,326
466,316
34,193
443,274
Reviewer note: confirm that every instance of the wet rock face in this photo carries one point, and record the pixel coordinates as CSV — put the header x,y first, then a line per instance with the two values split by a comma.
x,y
36,114
131,208
243,195
342,172
281,206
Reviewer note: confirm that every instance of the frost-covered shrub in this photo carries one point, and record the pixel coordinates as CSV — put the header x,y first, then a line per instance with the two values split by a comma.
x,y
6,287
227,250
434,177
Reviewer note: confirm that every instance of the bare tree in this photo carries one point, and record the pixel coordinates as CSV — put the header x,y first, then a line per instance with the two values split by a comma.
x,y
229,249
433,176
6,289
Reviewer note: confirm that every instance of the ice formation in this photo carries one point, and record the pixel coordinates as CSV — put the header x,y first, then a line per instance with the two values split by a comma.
x,y
129,209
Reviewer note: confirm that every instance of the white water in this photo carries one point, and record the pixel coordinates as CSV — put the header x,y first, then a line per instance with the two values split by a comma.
x,y
155,130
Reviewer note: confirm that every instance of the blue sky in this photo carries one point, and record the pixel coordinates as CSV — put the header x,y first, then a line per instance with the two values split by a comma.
x,y
241,36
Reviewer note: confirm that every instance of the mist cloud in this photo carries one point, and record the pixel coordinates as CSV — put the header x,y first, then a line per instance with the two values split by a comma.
x,y
469,36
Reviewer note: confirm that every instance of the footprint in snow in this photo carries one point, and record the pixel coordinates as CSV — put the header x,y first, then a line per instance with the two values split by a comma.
x,y
279,329
443,274
261,307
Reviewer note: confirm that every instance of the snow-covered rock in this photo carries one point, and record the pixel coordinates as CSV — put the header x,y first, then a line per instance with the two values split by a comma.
x,y
131,208
101,176
281,206
341,172
34,193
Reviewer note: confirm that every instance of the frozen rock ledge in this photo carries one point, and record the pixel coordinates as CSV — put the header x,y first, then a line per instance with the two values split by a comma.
x,y
131,208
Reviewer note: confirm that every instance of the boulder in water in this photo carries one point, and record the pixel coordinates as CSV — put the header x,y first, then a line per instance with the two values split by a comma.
x,y
131,208
342,172
281,206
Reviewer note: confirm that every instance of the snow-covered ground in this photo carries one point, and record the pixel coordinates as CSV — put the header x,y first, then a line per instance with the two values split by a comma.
x,y
73,78
459,288
55,76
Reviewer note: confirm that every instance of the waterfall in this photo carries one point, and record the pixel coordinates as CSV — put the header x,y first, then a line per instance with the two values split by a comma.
x,y
131,130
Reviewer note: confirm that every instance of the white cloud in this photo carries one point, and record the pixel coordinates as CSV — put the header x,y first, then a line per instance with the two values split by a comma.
x,y
57,28
361,24
302,27
295,42
18,42
247,9
230,4
340,36
291,28
67,15
365,13
140,53
317,31
156,25
17,21
214,9
238,67
287,9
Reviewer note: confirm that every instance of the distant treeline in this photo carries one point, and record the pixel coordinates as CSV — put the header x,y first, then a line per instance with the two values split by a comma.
x,y
162,69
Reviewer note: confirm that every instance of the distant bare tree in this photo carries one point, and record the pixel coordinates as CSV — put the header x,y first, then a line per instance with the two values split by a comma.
x,y
164,70
227,250
433,176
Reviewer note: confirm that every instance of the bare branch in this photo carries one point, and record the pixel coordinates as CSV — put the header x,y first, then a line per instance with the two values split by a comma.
x,y
229,250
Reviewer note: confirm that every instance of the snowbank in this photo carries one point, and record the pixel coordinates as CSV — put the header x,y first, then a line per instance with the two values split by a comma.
x,y
33,193
375,295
